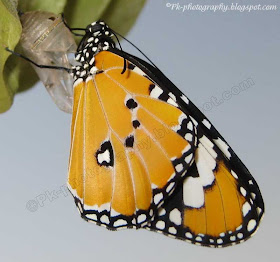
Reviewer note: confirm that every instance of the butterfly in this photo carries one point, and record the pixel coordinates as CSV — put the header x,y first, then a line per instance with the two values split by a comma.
x,y
144,156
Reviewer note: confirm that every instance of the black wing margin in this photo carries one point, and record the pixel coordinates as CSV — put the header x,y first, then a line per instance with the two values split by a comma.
x,y
172,218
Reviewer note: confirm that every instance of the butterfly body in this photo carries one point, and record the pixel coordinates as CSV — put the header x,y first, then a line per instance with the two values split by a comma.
x,y
143,156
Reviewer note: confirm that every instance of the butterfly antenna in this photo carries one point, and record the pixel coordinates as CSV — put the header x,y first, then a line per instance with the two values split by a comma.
x,y
68,70
72,29
135,48
124,66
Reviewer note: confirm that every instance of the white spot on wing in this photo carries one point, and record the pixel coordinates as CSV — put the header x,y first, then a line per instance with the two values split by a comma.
x,y
171,102
160,224
120,222
179,168
223,146
206,123
207,143
246,208
188,137
93,70
172,96
205,166
193,194
234,174
189,158
92,61
240,235
175,217
219,241
161,211
141,218
232,238
169,187
104,219
243,191
104,157
251,225
172,230
186,100
190,126
92,216
198,238
157,198
156,92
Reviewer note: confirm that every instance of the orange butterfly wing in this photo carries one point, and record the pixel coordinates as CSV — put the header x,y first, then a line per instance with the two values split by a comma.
x,y
213,205
129,149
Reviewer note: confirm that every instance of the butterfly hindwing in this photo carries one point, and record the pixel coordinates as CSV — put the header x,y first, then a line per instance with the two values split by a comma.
x,y
210,206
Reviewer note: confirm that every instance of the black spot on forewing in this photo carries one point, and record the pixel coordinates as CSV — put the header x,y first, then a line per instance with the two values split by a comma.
x,y
131,103
135,123
129,141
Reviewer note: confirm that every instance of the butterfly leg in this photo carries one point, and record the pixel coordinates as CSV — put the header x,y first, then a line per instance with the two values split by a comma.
x,y
68,70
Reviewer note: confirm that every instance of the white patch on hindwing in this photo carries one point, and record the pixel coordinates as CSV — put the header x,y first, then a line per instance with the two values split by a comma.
x,y
193,193
205,165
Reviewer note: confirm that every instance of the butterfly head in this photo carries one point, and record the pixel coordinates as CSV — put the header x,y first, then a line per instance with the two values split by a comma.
x,y
99,35
99,28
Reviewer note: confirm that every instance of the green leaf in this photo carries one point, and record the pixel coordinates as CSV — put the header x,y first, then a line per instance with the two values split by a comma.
x,y
10,30
83,12
118,14
54,6
122,14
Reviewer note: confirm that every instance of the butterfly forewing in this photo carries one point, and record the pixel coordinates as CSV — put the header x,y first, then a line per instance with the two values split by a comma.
x,y
130,148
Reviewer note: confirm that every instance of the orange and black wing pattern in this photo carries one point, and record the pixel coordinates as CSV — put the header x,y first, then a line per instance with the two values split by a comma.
x,y
213,205
143,155
129,149
218,203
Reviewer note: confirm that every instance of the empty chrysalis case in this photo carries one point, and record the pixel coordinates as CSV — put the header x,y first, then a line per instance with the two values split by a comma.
x,y
47,41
